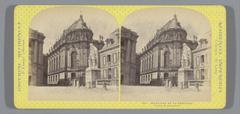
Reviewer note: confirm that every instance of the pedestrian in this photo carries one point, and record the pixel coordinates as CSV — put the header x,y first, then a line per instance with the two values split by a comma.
x,y
105,85
170,84
197,86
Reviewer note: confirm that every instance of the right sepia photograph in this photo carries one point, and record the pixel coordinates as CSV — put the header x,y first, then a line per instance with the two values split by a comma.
x,y
166,56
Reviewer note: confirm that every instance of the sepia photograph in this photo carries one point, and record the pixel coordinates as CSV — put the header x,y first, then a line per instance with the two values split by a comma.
x,y
166,56
157,55
74,55
120,56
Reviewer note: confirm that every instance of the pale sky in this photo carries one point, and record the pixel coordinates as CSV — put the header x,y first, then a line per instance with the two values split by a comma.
x,y
146,22
53,21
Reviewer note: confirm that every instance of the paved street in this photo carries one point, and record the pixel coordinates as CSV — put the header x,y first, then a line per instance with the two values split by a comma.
x,y
159,94
128,93
73,93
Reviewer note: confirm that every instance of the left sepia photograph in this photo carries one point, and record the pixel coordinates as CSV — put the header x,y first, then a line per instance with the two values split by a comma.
x,y
74,55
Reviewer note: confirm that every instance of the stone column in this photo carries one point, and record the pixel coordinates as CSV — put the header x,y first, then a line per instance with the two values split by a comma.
x,y
60,60
35,55
147,61
144,64
162,58
48,67
150,60
40,77
57,61
128,51
127,63
34,64
40,53
141,64
54,63
65,62
133,63
51,64
133,52
65,58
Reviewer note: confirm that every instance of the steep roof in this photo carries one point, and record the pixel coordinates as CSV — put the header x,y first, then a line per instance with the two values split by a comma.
x,y
78,24
113,41
171,24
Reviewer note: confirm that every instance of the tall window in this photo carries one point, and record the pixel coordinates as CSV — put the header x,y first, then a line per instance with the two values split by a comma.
x,y
197,60
115,57
202,74
54,64
108,58
116,72
73,75
109,73
57,63
151,61
74,59
202,58
104,60
166,59
197,75
104,74
165,76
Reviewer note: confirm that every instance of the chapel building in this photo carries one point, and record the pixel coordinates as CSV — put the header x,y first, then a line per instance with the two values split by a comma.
x,y
68,57
161,58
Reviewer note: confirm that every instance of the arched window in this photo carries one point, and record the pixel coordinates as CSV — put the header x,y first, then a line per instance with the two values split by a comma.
x,y
166,58
74,59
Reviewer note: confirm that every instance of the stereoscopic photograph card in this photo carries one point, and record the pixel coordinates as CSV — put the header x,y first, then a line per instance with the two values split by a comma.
x,y
119,57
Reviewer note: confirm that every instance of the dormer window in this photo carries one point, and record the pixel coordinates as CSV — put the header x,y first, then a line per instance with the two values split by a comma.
x,y
109,42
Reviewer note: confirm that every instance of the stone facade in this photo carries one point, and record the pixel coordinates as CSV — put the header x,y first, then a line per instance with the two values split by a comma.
x,y
128,57
109,59
36,64
45,71
202,62
138,64
68,57
160,59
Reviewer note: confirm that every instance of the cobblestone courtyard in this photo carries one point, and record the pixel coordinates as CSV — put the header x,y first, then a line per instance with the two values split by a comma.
x,y
128,93
162,94
73,93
